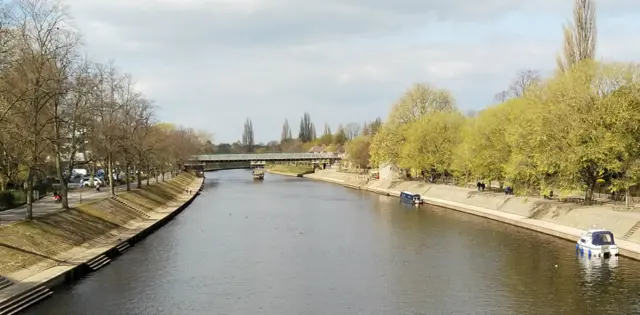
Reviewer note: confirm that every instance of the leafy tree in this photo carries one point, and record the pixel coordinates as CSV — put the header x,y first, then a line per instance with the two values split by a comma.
x,y
421,99
430,142
386,144
358,151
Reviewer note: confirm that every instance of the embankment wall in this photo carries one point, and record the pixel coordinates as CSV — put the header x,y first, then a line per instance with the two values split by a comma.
x,y
34,252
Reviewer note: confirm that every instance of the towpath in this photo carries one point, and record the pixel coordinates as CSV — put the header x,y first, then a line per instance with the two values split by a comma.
x,y
46,205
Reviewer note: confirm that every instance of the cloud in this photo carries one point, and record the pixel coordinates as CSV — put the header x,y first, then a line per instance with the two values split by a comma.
x,y
211,63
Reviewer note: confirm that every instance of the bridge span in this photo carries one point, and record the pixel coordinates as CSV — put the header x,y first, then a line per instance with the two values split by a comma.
x,y
209,162
271,157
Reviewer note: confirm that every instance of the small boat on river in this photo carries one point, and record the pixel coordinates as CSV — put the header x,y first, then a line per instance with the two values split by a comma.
x,y
597,243
258,173
411,198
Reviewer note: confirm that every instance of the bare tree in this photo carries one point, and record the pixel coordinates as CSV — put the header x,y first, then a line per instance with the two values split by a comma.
x,y
44,42
352,130
579,36
525,80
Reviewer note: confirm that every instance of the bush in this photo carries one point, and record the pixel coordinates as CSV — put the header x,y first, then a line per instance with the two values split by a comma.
x,y
6,200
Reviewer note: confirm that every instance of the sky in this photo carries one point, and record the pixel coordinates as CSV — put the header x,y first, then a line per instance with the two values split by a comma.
x,y
211,64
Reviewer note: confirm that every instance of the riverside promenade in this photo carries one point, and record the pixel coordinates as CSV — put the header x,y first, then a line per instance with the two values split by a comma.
x,y
64,246
563,220
76,197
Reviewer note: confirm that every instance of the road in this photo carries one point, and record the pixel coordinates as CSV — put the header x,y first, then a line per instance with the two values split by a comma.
x,y
46,205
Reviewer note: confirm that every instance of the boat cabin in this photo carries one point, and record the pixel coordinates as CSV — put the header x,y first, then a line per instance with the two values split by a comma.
x,y
597,237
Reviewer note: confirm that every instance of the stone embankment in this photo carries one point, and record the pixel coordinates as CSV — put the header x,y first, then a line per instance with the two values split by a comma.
x,y
564,220
57,248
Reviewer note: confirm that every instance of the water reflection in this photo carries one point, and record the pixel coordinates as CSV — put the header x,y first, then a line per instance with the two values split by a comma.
x,y
597,270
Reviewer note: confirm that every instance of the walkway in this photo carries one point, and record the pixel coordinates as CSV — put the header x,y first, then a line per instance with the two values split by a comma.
x,y
46,205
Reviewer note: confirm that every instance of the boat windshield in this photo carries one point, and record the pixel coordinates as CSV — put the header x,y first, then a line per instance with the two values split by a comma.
x,y
603,238
416,197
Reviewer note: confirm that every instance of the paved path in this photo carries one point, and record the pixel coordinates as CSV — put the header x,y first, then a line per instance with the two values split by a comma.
x,y
77,196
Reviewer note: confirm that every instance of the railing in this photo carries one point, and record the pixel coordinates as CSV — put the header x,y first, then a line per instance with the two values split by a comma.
x,y
266,157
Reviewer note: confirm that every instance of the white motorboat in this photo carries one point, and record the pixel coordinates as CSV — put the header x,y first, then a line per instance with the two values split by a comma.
x,y
597,243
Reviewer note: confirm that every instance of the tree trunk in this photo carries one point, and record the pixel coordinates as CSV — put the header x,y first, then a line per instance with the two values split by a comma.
x,y
127,178
163,175
627,197
29,192
92,175
64,188
138,176
112,188
588,197
148,174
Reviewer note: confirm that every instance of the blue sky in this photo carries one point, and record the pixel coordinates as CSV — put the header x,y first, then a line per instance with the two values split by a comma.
x,y
210,64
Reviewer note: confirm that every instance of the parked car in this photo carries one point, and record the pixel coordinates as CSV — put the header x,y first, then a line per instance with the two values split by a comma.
x,y
86,182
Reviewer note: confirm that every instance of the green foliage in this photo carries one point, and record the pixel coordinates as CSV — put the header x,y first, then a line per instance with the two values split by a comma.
x,y
430,142
574,130
358,151
386,144
420,100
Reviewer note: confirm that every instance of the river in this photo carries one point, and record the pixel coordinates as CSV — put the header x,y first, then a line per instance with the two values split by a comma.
x,y
295,246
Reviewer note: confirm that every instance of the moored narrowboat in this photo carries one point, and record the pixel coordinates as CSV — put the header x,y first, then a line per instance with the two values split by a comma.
x,y
411,198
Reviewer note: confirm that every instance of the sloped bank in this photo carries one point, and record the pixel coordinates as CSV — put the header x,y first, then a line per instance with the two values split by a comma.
x,y
567,221
61,247
289,170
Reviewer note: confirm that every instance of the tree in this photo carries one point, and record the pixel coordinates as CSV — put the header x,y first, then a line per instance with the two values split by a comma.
x,y
286,132
327,130
524,81
352,130
430,143
358,151
37,79
341,136
578,131
247,136
72,117
579,36
386,144
307,129
327,137
484,152
421,99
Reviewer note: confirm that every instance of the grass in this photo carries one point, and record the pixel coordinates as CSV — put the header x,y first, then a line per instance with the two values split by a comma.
x,y
290,169
40,240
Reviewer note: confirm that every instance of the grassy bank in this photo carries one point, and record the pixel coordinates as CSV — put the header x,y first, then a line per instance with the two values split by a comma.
x,y
49,240
290,169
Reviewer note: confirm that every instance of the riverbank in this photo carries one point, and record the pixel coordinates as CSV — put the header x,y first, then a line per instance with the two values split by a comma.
x,y
563,220
289,170
59,247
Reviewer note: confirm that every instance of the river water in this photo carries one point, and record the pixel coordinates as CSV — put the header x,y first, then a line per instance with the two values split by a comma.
x,y
295,246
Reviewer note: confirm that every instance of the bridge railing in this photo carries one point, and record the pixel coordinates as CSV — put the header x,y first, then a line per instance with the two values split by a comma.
x,y
266,156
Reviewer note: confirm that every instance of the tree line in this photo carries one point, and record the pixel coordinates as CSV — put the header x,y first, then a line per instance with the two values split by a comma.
x,y
306,140
60,110
575,130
